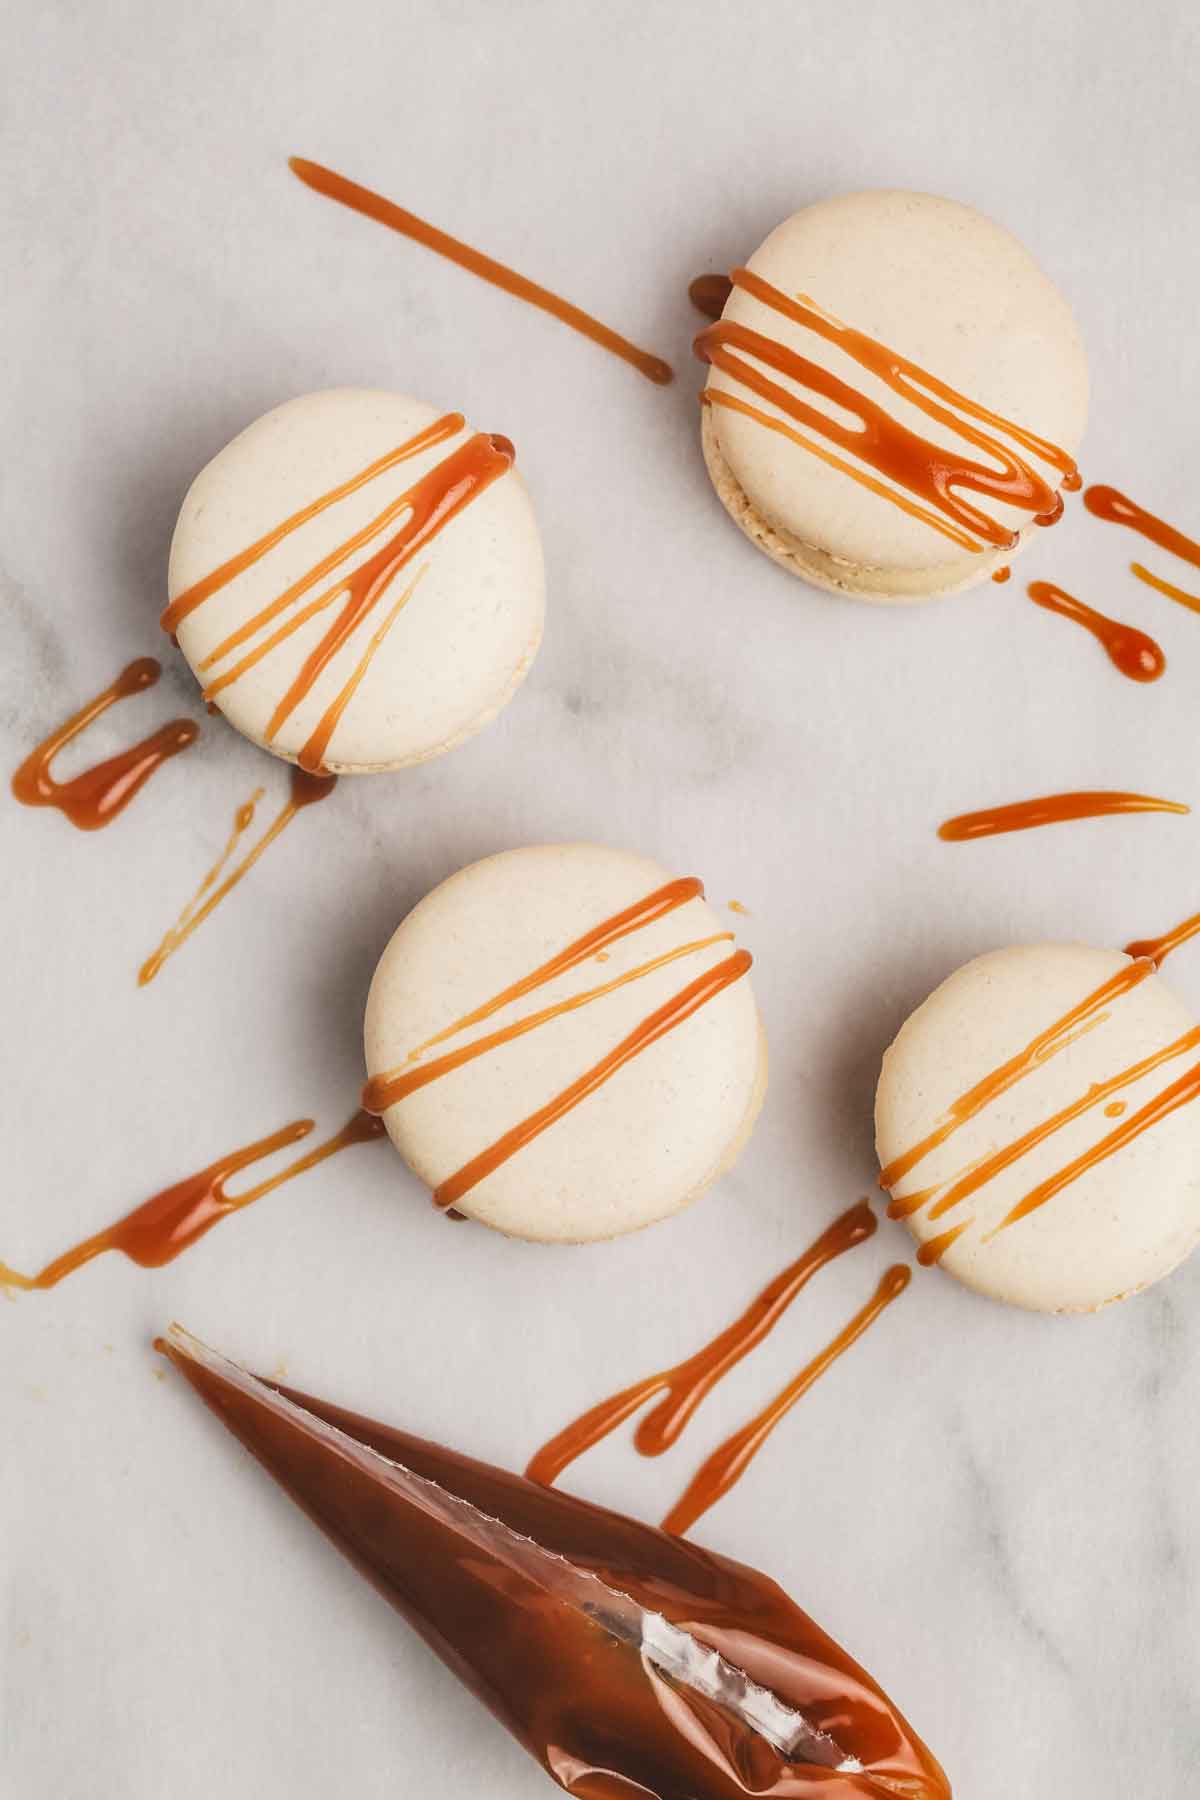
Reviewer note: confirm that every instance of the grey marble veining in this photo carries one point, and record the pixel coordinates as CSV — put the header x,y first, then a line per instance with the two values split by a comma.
x,y
995,1512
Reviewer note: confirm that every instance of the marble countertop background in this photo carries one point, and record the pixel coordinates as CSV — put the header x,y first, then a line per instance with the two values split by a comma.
x,y
996,1512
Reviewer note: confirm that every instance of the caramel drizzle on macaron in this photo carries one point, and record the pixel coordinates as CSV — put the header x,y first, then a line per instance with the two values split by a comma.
x,y
388,1089
1089,1012
161,1228
426,508
928,478
100,794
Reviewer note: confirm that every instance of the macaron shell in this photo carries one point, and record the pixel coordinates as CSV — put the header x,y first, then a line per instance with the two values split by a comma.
x,y
1119,1227
639,1147
953,292
458,648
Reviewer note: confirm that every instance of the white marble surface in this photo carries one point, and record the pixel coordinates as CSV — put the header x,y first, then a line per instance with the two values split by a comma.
x,y
996,1512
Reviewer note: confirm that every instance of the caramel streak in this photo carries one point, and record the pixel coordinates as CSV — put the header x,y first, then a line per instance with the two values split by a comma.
x,y
1159,948
993,1165
1035,1054
729,1462
96,797
933,1250
709,294
312,754
1191,601
397,218
1180,1093
1050,809
1135,654
1109,503
686,1384
192,597
306,790
385,1090
718,397
646,911
664,1019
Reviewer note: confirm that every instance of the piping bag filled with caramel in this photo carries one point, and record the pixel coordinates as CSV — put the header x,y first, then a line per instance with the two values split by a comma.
x,y
630,1664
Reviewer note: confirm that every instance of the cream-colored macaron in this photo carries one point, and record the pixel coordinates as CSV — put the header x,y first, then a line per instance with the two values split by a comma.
x,y
941,287
635,1087
1039,1106
357,580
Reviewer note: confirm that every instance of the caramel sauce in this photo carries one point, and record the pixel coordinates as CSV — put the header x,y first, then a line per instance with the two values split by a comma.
x,y
97,796
1050,809
161,1228
1159,948
730,1460
1136,655
306,790
656,1025
933,1250
686,1385
397,218
313,752
709,294
494,1572
1108,503
1004,574
1084,1015
929,479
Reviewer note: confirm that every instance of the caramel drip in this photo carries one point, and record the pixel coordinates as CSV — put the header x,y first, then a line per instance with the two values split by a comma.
x,y
643,912
1050,809
313,752
933,1250
1004,574
397,218
1180,1093
1086,1013
916,464
1159,948
187,602
383,1091
1136,655
98,795
688,1383
709,294
161,1228
729,1462
664,1019
1191,601
990,1166
1108,503
306,790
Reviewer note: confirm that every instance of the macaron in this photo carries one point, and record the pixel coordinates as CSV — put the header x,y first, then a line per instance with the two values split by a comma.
x,y
357,580
1036,1128
895,396
564,1044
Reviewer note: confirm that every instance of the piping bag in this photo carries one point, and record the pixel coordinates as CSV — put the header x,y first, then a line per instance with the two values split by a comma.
x,y
630,1664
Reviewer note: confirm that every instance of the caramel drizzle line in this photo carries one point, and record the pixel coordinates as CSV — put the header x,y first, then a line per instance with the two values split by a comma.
x,y
312,754
664,1019
95,797
1159,948
1050,809
383,1091
989,1166
385,212
718,397
688,1383
1133,652
161,1228
883,442
1038,1051
934,1248
729,1462
306,790
187,602
647,911
1110,504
